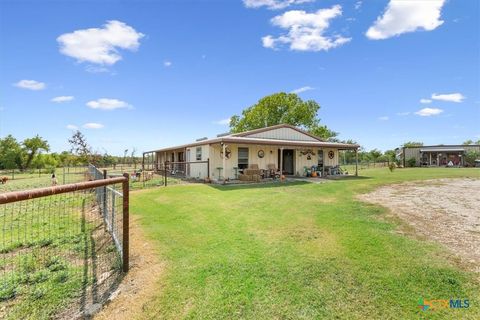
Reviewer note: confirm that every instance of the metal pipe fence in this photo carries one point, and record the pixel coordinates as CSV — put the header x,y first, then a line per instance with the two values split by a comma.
x,y
69,240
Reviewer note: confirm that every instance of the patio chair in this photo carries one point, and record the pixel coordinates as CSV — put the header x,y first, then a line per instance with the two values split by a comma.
x,y
253,173
273,172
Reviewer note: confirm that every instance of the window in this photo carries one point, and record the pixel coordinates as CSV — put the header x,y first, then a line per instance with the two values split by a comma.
x,y
199,154
242,158
320,158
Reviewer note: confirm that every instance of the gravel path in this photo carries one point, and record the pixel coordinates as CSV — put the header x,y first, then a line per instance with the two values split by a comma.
x,y
443,210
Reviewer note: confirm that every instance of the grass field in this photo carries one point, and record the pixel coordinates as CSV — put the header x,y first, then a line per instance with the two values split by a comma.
x,y
296,251
52,250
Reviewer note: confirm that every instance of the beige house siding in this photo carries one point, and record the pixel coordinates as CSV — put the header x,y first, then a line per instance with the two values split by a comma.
x,y
282,134
301,161
270,157
330,162
199,170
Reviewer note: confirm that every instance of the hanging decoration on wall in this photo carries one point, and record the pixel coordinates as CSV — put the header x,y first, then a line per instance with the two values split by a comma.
x,y
308,152
228,153
261,154
331,154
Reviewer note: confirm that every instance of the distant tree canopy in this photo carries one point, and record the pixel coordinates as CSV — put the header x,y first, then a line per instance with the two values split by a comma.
x,y
412,144
469,141
280,108
32,153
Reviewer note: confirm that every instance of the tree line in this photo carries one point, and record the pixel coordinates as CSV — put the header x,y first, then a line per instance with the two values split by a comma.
x,y
34,153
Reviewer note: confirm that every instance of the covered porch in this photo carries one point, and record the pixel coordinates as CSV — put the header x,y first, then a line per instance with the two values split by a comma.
x,y
433,157
257,162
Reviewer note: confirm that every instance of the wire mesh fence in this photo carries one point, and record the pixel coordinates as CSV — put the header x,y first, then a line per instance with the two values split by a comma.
x,y
63,248
15,179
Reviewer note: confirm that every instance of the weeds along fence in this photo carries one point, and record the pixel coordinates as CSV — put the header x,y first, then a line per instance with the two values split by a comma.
x,y
64,245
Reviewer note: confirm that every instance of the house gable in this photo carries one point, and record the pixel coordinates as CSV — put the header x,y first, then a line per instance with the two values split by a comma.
x,y
281,133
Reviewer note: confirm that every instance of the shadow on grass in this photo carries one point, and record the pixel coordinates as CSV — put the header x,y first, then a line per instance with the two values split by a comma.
x,y
100,276
340,178
260,185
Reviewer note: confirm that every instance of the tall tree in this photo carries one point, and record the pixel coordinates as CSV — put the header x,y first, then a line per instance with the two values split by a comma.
x,y
281,108
11,153
80,147
32,147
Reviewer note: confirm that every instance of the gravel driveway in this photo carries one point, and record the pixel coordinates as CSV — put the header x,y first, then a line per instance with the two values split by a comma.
x,y
444,210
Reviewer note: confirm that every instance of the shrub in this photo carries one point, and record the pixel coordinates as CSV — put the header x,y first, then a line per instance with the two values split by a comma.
x,y
470,157
412,162
392,166
8,289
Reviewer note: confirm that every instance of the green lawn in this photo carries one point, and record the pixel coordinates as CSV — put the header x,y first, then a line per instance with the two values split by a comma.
x,y
295,251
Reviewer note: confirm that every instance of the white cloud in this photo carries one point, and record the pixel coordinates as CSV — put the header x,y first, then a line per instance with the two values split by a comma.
x,y
358,5
100,45
402,16
93,125
451,97
273,4
383,118
62,99
72,127
306,31
427,112
425,101
108,104
302,89
167,63
406,113
223,122
30,85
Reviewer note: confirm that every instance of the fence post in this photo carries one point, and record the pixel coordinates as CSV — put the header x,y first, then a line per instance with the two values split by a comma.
x,y
165,172
208,168
104,194
63,169
126,223
13,174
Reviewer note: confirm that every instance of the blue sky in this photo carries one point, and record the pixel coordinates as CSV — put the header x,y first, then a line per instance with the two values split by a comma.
x,y
169,71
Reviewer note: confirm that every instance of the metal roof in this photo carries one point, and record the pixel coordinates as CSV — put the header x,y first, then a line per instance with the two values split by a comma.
x,y
263,141
442,149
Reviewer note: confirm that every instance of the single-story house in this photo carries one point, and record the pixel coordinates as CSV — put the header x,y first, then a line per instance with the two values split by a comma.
x,y
439,155
280,146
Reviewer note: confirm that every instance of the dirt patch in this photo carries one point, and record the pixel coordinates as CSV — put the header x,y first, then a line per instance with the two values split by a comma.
x,y
140,284
444,210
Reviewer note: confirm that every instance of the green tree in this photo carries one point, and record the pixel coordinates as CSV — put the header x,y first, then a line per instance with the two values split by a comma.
x,y
471,156
11,153
410,144
32,146
280,108
390,155
469,141
80,147
375,154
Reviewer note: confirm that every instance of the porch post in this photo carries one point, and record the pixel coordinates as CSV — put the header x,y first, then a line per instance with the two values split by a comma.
x,y
281,161
224,162
356,162
430,159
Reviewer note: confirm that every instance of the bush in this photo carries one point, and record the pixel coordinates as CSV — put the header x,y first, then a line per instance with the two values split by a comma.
x,y
470,157
392,166
412,162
